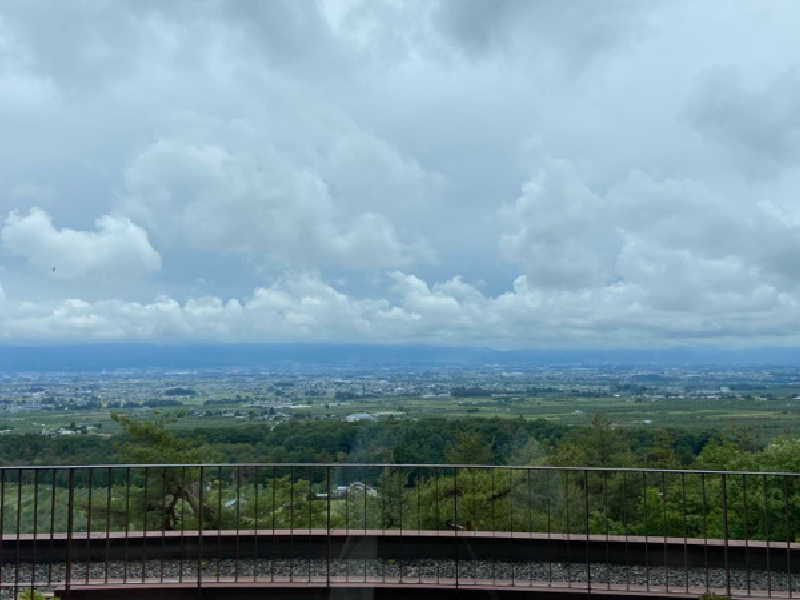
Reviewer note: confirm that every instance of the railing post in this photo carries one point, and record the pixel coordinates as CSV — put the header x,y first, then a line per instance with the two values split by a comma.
x,y
328,523
35,528
586,524
455,516
3,515
19,531
788,535
725,534
200,532
70,524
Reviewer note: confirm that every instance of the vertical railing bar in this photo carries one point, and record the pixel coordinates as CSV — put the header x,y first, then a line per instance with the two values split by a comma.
x,y
144,525
474,499
328,525
455,518
274,517
705,528
625,529
567,542
200,529
530,521
788,526
347,482
381,522
3,516
725,534
605,518
127,523
438,515
401,493
106,559
164,518
35,529
419,514
19,524
182,555
511,502
746,534
52,526
586,524
530,504
238,515
664,525
308,503
219,521
401,496
364,490
419,504
766,536
685,533
70,523
347,503
549,477
383,501
255,524
646,532
291,523
491,500
89,525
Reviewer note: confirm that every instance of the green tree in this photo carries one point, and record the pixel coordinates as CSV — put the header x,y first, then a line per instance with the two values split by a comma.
x,y
150,442
469,448
600,445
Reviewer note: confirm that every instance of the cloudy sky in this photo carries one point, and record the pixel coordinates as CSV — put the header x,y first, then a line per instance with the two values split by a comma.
x,y
500,173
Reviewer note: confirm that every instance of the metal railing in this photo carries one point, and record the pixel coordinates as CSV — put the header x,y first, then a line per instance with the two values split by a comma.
x,y
591,529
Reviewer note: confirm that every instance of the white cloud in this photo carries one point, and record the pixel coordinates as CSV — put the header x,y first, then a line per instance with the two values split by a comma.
x,y
257,204
305,308
561,231
351,138
117,249
679,241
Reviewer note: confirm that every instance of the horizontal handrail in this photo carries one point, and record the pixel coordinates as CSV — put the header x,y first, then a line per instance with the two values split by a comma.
x,y
398,466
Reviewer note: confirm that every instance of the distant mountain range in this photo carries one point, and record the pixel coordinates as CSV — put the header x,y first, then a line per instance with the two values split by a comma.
x,y
99,357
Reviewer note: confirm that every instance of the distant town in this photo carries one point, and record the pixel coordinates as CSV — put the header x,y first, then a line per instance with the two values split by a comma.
x,y
81,403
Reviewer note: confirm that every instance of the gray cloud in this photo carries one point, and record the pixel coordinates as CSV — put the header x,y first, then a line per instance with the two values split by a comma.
x,y
506,173
759,125
576,32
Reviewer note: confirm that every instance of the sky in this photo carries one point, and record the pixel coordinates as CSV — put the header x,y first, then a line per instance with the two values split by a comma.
x,y
502,173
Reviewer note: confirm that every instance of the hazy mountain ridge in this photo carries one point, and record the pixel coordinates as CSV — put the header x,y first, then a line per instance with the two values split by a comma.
x,y
98,357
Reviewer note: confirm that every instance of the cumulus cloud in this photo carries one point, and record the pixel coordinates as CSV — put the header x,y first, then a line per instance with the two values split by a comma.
x,y
258,205
348,140
685,246
305,308
118,248
560,230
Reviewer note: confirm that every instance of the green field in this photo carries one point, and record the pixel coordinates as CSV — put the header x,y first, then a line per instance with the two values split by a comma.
x,y
769,412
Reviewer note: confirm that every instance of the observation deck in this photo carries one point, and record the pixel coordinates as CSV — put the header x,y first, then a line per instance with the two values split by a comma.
x,y
392,530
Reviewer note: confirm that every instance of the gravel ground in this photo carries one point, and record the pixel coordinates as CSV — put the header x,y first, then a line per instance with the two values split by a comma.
x,y
504,573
